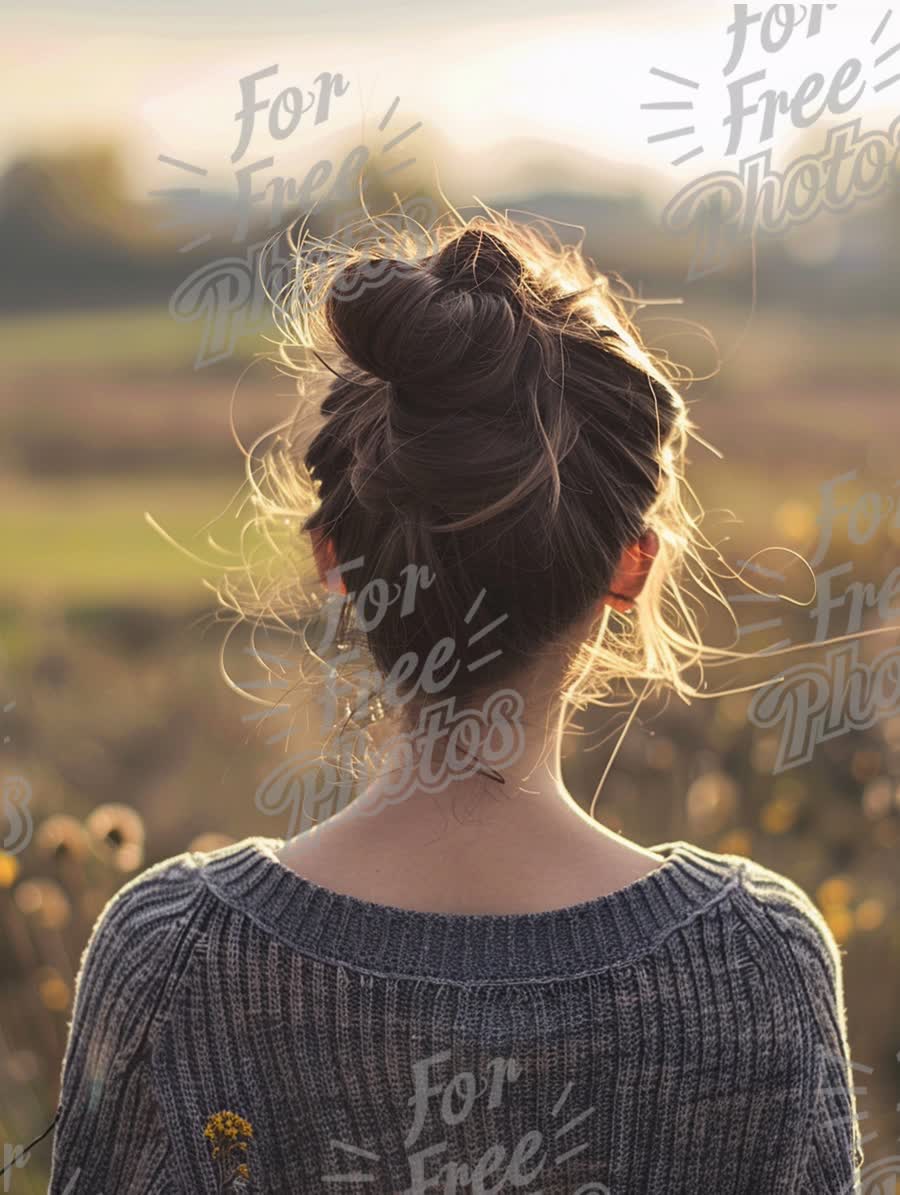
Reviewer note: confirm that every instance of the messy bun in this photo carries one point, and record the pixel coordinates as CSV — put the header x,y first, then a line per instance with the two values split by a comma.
x,y
493,422
449,325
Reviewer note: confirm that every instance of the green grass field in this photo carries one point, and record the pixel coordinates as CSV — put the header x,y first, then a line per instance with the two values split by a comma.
x,y
86,539
135,338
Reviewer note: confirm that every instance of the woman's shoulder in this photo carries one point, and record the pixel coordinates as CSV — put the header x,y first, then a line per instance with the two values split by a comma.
x,y
779,916
173,885
155,898
141,926
169,904
147,925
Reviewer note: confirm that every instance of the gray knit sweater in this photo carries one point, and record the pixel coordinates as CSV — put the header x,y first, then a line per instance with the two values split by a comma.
x,y
240,1028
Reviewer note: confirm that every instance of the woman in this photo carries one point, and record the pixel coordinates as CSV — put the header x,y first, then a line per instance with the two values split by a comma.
x,y
461,981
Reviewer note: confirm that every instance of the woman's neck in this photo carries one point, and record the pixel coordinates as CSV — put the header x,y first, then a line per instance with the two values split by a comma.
x,y
477,846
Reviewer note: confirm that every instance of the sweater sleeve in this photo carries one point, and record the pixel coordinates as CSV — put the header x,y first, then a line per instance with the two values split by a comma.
x,y
831,1151
109,1133
834,1158
829,1155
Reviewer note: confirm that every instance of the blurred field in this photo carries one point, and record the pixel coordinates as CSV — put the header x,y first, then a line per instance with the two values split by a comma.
x,y
143,338
76,540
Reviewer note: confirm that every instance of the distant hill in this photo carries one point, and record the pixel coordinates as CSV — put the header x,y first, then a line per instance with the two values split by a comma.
x,y
72,236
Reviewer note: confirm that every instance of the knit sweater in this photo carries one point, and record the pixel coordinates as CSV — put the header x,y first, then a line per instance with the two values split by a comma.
x,y
237,1027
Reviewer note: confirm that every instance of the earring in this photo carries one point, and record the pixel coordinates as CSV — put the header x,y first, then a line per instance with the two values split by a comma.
x,y
342,637
622,597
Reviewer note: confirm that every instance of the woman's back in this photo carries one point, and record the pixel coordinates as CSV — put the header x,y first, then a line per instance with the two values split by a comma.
x,y
682,1034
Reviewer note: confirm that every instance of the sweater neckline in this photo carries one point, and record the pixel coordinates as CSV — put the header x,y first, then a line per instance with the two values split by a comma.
x,y
466,948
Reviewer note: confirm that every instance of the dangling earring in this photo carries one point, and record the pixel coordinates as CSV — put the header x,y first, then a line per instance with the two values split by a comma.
x,y
342,636
622,597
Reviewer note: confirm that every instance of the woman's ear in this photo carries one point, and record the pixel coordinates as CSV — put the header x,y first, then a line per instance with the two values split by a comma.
x,y
326,561
632,572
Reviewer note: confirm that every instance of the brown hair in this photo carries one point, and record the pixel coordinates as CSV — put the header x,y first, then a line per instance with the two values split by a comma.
x,y
494,423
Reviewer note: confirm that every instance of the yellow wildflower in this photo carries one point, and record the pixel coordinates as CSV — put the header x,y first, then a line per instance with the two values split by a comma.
x,y
229,1134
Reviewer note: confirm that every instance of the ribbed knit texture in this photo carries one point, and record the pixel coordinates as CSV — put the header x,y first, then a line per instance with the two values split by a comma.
x,y
685,1034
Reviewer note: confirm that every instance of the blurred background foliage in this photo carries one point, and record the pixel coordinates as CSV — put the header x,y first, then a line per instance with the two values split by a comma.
x,y
114,708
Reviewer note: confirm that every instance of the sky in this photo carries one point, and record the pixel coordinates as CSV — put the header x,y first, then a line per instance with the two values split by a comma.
x,y
163,77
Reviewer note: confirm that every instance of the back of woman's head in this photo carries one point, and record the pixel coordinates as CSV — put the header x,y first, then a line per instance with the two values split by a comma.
x,y
496,422
489,425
